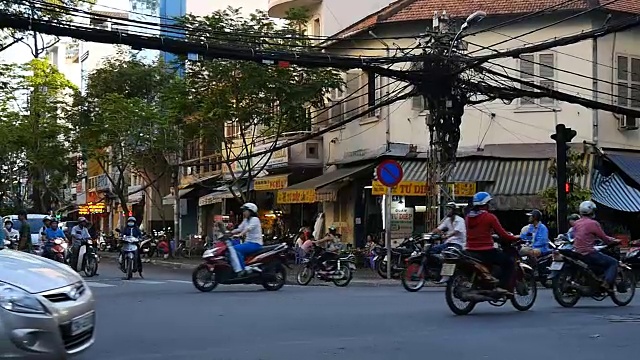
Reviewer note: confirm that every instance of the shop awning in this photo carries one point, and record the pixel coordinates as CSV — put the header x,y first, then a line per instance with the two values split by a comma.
x,y
613,192
530,176
169,199
629,163
326,185
475,169
214,198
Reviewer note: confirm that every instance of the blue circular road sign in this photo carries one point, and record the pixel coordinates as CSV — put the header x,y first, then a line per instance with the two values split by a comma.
x,y
389,173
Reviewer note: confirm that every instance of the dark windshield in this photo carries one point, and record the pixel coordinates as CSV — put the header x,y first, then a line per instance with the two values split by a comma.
x,y
35,225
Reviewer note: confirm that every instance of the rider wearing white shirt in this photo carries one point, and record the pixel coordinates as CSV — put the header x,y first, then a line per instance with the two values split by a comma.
x,y
251,229
456,234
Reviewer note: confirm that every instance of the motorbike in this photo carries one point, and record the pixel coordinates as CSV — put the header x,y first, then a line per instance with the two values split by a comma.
x,y
102,243
422,266
632,258
473,281
60,250
87,258
149,246
541,265
341,275
12,242
265,267
572,278
128,259
399,254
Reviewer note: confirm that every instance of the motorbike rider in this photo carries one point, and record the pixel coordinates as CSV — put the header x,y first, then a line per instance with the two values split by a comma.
x,y
46,223
330,251
79,233
456,231
51,233
133,230
572,221
586,231
538,234
10,233
251,229
481,224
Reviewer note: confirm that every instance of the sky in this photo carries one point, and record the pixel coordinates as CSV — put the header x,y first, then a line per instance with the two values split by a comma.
x,y
21,53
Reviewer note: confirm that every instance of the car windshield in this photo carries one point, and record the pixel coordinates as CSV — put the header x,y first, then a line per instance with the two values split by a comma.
x,y
34,224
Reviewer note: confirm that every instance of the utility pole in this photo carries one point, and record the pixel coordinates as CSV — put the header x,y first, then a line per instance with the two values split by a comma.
x,y
176,208
562,136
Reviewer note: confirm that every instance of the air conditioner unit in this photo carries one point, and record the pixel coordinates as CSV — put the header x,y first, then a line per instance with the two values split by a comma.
x,y
627,123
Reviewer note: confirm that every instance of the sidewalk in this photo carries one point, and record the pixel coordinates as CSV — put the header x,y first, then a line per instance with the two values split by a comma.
x,y
362,277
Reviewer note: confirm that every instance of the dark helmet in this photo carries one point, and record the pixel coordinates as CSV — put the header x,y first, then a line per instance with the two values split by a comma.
x,y
535,214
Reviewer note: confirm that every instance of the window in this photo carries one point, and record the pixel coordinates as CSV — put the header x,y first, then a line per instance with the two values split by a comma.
x,y
360,91
231,129
53,56
538,69
628,76
316,27
312,151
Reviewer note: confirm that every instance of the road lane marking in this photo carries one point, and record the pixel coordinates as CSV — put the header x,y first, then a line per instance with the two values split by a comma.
x,y
146,282
179,281
94,284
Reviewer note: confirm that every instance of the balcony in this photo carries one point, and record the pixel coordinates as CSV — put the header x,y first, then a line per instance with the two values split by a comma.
x,y
305,154
201,168
279,8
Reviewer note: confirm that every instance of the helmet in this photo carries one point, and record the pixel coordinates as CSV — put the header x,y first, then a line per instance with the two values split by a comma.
x,y
131,218
47,218
8,221
587,208
54,220
573,217
82,219
451,205
536,214
481,198
251,207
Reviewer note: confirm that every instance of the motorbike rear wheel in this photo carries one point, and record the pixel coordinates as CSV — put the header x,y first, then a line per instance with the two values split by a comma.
x,y
450,295
305,275
627,279
204,275
280,274
407,275
346,279
558,286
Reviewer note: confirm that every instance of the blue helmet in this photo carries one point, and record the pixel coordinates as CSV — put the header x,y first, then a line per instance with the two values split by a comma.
x,y
481,198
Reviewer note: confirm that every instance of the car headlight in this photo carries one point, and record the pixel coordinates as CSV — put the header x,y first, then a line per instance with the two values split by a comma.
x,y
17,300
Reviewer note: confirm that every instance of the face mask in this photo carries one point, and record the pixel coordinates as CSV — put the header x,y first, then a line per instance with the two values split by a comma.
x,y
131,224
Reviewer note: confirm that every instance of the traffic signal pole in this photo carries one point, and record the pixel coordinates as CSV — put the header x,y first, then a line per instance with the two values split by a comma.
x,y
562,136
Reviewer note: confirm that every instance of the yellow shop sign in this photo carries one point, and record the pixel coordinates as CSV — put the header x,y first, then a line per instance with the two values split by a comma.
x,y
296,196
270,183
419,188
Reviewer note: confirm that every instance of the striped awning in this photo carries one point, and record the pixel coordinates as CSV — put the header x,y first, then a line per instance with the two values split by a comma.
x,y
466,170
530,176
613,192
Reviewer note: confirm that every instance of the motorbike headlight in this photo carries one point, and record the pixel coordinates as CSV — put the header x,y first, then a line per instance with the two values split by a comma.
x,y
89,242
17,300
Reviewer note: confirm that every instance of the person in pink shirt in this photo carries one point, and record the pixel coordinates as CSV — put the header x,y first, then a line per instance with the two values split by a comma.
x,y
586,232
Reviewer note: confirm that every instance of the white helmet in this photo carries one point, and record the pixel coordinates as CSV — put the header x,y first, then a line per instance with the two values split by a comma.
x,y
587,208
251,207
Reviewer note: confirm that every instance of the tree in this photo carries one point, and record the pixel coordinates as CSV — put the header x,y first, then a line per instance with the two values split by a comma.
x,y
35,101
576,169
254,100
126,121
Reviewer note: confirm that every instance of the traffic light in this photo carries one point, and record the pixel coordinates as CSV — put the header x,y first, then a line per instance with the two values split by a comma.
x,y
568,187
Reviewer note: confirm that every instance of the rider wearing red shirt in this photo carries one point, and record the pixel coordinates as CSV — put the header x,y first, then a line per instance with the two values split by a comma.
x,y
481,225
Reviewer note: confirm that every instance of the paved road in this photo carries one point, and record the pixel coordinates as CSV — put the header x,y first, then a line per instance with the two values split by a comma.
x,y
164,317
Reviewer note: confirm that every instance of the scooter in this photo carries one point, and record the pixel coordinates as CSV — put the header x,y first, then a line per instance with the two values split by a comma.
x,y
128,258
87,258
59,250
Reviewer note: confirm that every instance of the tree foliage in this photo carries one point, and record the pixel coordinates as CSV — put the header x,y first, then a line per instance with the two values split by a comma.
x,y
127,118
259,99
34,105
576,169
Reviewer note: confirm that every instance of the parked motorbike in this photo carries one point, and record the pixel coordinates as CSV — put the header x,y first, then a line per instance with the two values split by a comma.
x,y
87,258
341,273
59,250
632,258
399,254
148,246
102,243
573,277
128,258
423,266
265,267
472,281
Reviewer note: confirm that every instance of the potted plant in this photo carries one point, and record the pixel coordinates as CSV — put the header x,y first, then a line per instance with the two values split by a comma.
x,y
622,232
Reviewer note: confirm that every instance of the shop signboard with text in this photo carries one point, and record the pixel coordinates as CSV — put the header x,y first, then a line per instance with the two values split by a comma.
x,y
271,183
420,188
401,222
92,208
296,196
272,159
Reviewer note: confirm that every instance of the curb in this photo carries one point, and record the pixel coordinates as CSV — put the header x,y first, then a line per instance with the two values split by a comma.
x,y
290,281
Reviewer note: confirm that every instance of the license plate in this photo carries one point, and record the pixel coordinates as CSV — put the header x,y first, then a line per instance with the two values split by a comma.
x,y
82,324
556,265
448,269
